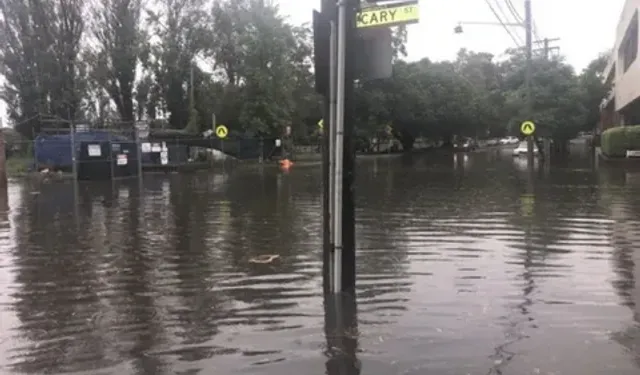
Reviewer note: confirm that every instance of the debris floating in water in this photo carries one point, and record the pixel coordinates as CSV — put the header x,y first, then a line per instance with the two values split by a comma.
x,y
264,259
286,164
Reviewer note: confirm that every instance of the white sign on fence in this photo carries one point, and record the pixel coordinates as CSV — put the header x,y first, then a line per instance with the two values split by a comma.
x,y
142,127
94,150
122,159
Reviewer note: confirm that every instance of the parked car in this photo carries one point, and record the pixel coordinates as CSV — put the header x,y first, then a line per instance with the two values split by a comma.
x,y
522,149
468,144
509,141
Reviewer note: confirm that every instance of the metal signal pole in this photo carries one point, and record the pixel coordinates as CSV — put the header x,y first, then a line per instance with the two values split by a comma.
x,y
528,77
343,223
335,36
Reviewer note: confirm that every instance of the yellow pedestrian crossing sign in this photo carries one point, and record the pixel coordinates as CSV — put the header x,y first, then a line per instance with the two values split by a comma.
x,y
222,131
528,128
321,123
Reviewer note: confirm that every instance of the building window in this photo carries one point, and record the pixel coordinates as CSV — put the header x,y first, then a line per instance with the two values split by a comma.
x,y
628,50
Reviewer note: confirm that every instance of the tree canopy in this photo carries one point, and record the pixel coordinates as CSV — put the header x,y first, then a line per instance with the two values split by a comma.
x,y
177,63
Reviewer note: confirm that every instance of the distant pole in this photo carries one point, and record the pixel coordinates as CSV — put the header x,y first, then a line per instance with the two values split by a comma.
x,y
139,150
74,166
546,48
224,156
529,98
72,140
191,90
3,162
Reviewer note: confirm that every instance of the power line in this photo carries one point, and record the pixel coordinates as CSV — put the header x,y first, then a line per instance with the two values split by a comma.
x,y
513,11
518,17
502,23
506,17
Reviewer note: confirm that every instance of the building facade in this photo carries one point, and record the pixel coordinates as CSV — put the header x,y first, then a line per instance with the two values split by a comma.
x,y
622,104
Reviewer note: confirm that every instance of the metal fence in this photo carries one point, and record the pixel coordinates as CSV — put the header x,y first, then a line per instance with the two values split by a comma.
x,y
86,152
92,154
108,153
126,149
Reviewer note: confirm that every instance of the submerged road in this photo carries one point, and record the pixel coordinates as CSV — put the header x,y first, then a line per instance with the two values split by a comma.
x,y
464,268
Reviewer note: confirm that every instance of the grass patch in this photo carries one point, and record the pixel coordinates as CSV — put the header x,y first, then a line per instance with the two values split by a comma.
x,y
18,165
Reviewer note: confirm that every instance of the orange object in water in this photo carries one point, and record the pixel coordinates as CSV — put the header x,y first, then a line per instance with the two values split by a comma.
x,y
286,164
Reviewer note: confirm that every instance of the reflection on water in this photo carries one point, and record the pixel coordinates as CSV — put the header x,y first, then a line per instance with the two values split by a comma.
x,y
341,331
467,264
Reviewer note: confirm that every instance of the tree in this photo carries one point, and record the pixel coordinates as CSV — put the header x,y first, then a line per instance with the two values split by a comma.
x,y
266,66
21,62
62,24
594,89
181,26
479,70
422,99
257,76
40,58
118,34
558,108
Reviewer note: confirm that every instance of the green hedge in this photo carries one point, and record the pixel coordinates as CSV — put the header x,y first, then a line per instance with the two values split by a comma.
x,y
616,141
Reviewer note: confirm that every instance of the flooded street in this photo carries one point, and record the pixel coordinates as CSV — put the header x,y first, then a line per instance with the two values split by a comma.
x,y
465,267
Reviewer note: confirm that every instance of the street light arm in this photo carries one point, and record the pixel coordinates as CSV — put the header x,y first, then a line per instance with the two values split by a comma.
x,y
491,23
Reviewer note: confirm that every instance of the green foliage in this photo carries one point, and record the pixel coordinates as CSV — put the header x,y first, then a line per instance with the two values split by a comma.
x,y
633,137
252,69
616,141
478,97
594,89
118,35
40,59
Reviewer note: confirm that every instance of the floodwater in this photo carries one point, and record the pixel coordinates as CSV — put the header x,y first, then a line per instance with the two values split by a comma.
x,y
466,266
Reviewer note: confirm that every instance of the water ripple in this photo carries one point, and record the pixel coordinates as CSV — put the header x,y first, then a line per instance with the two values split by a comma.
x,y
462,268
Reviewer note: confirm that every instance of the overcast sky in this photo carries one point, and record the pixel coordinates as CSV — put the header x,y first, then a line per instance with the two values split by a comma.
x,y
585,27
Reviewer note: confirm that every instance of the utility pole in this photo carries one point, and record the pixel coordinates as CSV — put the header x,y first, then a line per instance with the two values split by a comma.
x,y
545,146
546,49
191,88
528,77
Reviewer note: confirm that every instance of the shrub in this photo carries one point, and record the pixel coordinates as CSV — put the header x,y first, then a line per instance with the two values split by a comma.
x,y
633,137
616,141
